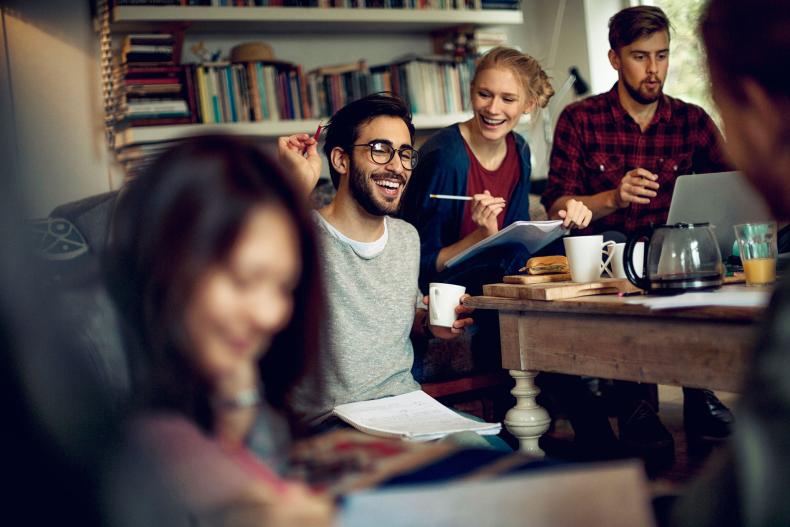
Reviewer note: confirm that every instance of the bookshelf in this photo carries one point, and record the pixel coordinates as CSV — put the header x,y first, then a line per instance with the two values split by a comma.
x,y
339,24
305,19
264,129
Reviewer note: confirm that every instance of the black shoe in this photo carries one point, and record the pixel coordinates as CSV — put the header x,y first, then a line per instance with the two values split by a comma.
x,y
705,417
599,447
643,435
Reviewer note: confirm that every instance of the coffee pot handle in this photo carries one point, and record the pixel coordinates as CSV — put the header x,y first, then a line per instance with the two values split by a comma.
x,y
642,282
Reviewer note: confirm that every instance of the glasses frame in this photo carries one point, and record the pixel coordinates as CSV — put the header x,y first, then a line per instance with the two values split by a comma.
x,y
414,152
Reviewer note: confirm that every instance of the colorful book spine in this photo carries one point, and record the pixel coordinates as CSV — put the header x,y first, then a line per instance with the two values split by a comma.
x,y
254,91
231,96
265,115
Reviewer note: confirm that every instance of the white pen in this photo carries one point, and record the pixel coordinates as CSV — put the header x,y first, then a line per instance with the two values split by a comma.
x,y
448,196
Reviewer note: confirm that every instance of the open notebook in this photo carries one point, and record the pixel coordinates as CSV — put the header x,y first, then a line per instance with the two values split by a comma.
x,y
534,235
415,416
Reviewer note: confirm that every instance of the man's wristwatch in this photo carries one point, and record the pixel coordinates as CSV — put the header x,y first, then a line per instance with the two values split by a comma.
x,y
243,399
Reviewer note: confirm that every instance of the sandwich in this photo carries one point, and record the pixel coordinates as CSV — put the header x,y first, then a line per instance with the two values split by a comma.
x,y
546,265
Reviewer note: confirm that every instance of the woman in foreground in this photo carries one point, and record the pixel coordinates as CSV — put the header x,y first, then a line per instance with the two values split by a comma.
x,y
212,265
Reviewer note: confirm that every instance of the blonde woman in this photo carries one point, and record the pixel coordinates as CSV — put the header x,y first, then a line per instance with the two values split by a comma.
x,y
482,158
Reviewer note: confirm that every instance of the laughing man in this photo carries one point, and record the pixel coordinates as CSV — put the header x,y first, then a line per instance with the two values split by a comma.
x,y
371,259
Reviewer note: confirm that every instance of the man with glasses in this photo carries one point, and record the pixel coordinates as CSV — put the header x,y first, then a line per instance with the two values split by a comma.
x,y
371,259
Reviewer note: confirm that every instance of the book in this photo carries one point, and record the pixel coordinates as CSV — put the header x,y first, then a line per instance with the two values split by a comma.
x,y
157,106
614,493
155,121
534,235
414,416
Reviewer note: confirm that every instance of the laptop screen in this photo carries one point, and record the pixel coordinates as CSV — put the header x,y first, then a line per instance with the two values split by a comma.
x,y
722,199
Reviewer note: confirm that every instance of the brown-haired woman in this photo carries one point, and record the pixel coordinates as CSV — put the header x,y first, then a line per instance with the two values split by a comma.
x,y
212,264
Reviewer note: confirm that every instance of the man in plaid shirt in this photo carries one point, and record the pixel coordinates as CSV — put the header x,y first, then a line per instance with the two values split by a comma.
x,y
619,153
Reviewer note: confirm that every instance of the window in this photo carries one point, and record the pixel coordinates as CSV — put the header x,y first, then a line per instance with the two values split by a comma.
x,y
688,72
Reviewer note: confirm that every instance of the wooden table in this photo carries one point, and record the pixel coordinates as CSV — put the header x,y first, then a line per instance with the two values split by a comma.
x,y
603,336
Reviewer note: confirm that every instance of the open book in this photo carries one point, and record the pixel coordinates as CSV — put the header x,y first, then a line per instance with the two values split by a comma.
x,y
415,416
534,235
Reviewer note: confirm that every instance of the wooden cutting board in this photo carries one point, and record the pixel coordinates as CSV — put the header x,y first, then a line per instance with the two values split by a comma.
x,y
560,290
536,278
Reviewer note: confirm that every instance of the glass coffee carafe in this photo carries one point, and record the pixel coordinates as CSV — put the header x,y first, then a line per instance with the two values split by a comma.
x,y
679,257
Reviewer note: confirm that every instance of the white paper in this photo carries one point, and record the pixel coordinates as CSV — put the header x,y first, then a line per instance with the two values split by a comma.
x,y
534,235
415,415
701,299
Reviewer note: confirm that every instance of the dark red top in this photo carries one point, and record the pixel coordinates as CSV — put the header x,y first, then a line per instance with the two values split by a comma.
x,y
596,142
499,182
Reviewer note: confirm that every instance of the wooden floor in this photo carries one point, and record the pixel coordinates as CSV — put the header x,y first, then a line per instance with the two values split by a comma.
x,y
687,464
670,480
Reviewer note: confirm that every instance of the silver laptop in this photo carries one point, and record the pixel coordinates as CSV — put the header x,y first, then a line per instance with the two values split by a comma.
x,y
723,199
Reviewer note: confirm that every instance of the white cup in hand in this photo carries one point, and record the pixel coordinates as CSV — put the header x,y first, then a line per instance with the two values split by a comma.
x,y
443,299
584,257
616,267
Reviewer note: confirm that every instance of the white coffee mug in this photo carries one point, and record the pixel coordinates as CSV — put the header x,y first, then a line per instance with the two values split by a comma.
x,y
584,256
616,268
444,298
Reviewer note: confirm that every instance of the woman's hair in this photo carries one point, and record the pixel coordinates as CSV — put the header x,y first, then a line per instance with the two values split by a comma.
x,y
343,129
171,224
630,24
748,40
526,68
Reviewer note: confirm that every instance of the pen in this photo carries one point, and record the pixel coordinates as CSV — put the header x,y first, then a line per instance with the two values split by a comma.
x,y
448,196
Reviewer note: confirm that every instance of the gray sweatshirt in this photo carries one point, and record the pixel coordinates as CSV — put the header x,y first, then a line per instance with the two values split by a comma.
x,y
371,301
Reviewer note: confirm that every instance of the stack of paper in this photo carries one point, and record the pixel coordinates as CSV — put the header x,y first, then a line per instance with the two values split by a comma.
x,y
415,416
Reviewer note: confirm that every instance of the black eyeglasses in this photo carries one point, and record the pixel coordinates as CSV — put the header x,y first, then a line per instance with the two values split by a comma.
x,y
382,153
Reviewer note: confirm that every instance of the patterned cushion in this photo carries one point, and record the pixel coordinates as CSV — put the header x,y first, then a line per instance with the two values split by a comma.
x,y
58,239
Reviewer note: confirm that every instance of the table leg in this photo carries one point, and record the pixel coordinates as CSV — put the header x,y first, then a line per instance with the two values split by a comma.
x,y
527,421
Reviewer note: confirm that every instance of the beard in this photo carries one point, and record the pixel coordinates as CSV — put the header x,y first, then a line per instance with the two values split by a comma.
x,y
640,97
363,191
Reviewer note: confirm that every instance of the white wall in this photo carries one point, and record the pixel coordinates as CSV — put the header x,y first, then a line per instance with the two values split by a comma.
x,y
7,133
597,14
54,79
535,37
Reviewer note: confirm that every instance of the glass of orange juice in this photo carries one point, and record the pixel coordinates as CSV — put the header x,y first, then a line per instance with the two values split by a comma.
x,y
757,244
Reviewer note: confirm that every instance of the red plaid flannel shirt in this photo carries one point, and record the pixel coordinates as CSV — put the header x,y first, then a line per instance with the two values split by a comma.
x,y
596,142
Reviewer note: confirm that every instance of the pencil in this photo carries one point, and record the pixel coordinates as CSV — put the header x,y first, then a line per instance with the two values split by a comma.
x,y
448,196
316,135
